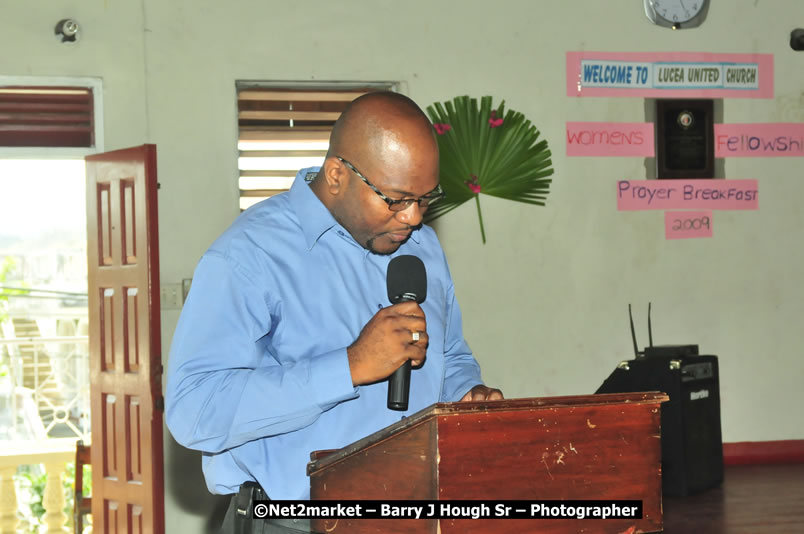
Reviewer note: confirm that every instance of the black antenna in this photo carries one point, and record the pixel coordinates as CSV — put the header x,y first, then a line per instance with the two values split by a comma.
x,y
650,330
633,333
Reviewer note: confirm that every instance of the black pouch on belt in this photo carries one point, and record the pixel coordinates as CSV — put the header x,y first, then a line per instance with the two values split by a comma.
x,y
244,514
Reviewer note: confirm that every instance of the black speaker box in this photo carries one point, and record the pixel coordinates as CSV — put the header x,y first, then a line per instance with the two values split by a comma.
x,y
692,445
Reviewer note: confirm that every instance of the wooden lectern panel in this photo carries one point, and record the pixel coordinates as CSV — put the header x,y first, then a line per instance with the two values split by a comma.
x,y
581,448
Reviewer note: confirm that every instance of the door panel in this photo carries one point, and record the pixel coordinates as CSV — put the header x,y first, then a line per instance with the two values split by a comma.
x,y
124,342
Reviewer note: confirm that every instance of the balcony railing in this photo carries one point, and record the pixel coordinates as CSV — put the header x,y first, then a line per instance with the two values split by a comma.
x,y
54,455
44,410
46,390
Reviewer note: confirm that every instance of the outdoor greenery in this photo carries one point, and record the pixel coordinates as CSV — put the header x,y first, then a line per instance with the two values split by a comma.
x,y
31,481
6,267
490,151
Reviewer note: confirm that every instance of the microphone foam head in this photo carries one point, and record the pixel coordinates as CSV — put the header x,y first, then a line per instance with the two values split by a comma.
x,y
406,279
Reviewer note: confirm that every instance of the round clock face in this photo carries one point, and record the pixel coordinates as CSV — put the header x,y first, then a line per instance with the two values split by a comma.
x,y
676,11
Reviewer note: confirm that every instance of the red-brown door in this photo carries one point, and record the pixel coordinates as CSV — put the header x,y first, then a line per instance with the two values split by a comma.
x,y
124,342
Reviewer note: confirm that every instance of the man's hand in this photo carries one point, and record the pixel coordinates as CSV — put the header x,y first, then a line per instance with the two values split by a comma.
x,y
387,341
481,393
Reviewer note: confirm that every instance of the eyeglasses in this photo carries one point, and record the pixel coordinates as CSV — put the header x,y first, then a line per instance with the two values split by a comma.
x,y
400,204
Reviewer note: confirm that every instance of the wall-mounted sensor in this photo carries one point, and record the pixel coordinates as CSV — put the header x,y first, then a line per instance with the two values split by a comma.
x,y
67,30
797,39
685,119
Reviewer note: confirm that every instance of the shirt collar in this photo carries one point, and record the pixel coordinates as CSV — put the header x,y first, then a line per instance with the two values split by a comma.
x,y
314,217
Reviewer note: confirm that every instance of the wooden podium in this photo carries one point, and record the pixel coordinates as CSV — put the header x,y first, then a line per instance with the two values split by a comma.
x,y
590,447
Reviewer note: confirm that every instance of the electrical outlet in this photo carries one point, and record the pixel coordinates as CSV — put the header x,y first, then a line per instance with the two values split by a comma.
x,y
171,297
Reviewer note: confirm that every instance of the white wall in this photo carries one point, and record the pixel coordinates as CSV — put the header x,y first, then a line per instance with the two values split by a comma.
x,y
111,48
545,300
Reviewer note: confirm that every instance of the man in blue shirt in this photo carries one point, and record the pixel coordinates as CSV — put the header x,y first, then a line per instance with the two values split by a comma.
x,y
287,336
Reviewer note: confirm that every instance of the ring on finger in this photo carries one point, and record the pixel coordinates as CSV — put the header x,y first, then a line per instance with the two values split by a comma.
x,y
414,336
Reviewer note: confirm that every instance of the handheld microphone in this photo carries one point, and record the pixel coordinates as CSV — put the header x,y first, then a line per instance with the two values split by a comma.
x,y
406,280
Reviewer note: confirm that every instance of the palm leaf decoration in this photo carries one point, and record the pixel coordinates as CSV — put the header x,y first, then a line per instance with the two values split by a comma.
x,y
487,151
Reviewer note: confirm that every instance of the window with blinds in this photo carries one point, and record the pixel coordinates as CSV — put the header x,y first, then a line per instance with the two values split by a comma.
x,y
48,116
282,131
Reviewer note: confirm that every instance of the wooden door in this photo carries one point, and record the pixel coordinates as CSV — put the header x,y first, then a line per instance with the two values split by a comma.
x,y
124,342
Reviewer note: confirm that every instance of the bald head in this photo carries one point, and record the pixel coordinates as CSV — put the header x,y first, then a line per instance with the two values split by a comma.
x,y
389,140
381,125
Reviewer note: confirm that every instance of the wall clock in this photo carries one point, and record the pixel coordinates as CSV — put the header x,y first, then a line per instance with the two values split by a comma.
x,y
676,14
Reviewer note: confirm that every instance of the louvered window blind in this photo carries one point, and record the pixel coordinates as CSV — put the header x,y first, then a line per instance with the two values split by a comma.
x,y
282,131
46,117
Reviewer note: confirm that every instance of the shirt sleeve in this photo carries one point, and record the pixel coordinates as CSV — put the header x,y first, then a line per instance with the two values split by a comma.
x,y
223,387
462,370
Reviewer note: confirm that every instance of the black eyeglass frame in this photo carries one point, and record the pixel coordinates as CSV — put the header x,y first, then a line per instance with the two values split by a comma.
x,y
398,204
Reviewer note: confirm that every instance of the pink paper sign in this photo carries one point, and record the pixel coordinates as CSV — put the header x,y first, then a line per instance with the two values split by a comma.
x,y
669,74
687,224
610,139
759,140
635,195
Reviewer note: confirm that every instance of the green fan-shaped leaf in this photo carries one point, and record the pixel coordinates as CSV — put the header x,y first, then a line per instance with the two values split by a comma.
x,y
506,160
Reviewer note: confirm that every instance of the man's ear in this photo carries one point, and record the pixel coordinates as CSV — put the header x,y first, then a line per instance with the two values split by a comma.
x,y
335,175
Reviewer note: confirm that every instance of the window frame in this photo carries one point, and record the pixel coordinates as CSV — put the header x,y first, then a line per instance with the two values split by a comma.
x,y
37,152
293,86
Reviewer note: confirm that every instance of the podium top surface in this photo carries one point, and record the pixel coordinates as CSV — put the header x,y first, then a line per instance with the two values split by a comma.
x,y
462,408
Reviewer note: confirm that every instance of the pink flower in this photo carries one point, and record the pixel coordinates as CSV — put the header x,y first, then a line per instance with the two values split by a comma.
x,y
442,128
493,120
473,185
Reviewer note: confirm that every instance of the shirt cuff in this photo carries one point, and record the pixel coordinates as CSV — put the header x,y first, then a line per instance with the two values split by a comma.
x,y
331,378
459,391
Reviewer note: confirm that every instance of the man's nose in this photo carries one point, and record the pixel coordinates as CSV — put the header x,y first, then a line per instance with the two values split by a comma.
x,y
412,215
